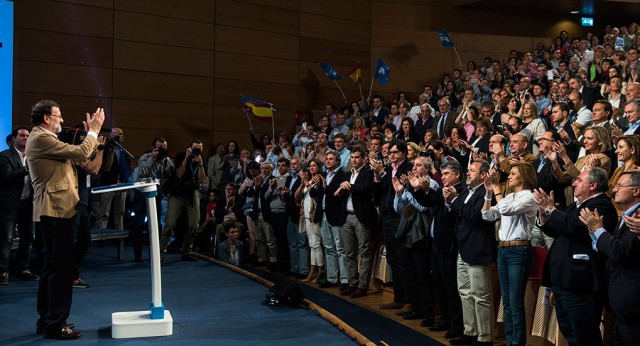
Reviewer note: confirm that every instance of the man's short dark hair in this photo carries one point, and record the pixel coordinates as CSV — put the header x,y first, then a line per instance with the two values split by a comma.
x,y
378,137
359,149
453,166
607,106
40,109
229,226
282,159
400,145
599,176
156,140
195,141
14,133
340,135
563,106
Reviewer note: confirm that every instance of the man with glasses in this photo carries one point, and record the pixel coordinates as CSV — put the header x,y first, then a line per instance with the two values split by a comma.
x,y
623,263
383,188
55,198
573,269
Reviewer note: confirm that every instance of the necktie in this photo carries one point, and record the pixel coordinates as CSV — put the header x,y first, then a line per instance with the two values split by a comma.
x,y
441,126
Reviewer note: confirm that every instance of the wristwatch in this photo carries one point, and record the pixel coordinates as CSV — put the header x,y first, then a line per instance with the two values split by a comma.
x,y
549,210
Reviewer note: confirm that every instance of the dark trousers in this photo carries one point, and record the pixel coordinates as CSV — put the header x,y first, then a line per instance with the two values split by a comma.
x,y
389,228
56,281
627,330
445,284
578,314
82,230
416,276
279,225
23,217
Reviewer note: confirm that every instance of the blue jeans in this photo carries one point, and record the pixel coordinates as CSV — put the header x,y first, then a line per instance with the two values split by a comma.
x,y
335,262
514,266
298,249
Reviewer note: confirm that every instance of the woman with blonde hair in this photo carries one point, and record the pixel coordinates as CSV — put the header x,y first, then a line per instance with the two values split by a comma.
x,y
628,152
413,150
596,142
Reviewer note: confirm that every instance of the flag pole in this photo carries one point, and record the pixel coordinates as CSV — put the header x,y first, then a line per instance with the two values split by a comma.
x,y
342,92
273,121
458,56
362,96
371,87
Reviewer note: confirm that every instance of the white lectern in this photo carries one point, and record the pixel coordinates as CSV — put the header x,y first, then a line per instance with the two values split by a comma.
x,y
157,321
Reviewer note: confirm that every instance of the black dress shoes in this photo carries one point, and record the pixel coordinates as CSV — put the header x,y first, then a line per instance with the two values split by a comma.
x,y
452,335
358,292
328,284
64,333
440,327
463,340
413,315
40,328
427,322
347,291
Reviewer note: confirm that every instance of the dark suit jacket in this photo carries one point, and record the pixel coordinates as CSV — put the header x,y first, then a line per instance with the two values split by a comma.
x,y
258,192
293,209
419,129
572,238
590,95
483,143
476,237
12,174
449,124
548,181
221,205
335,207
225,256
623,269
444,234
362,198
384,192
382,113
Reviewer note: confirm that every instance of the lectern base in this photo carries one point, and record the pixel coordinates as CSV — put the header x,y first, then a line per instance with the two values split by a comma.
x,y
138,324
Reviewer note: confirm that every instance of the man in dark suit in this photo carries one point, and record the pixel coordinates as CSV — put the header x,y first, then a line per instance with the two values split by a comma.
x,y
572,268
298,243
444,250
55,198
477,250
16,207
116,170
561,124
260,218
444,122
589,94
360,222
335,215
425,121
622,249
384,193
378,113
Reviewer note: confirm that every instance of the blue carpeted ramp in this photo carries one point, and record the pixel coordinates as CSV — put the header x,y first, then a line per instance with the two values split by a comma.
x,y
210,305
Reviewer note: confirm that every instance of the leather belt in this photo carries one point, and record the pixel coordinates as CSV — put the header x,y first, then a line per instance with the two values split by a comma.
x,y
514,243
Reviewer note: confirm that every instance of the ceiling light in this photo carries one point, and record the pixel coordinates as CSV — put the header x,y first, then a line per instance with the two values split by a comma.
x,y
574,12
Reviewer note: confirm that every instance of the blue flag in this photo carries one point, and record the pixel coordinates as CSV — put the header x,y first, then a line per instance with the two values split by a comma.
x,y
444,38
330,71
382,72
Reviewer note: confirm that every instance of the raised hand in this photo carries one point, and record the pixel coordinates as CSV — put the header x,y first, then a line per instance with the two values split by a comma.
x,y
592,219
397,186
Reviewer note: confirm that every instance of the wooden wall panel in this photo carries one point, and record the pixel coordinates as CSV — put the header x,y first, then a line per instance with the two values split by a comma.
x,y
162,87
195,10
228,92
293,5
61,79
256,17
256,68
160,58
336,53
232,119
162,30
256,42
63,17
158,115
73,107
334,29
403,24
94,3
352,10
60,48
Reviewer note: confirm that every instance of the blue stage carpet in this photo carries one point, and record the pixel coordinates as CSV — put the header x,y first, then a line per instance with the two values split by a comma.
x,y
210,305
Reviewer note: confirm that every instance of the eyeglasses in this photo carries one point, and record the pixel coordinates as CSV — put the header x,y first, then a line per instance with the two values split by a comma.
x,y
618,186
56,115
393,152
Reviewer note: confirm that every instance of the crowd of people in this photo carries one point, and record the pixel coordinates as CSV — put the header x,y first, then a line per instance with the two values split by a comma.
x,y
538,150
